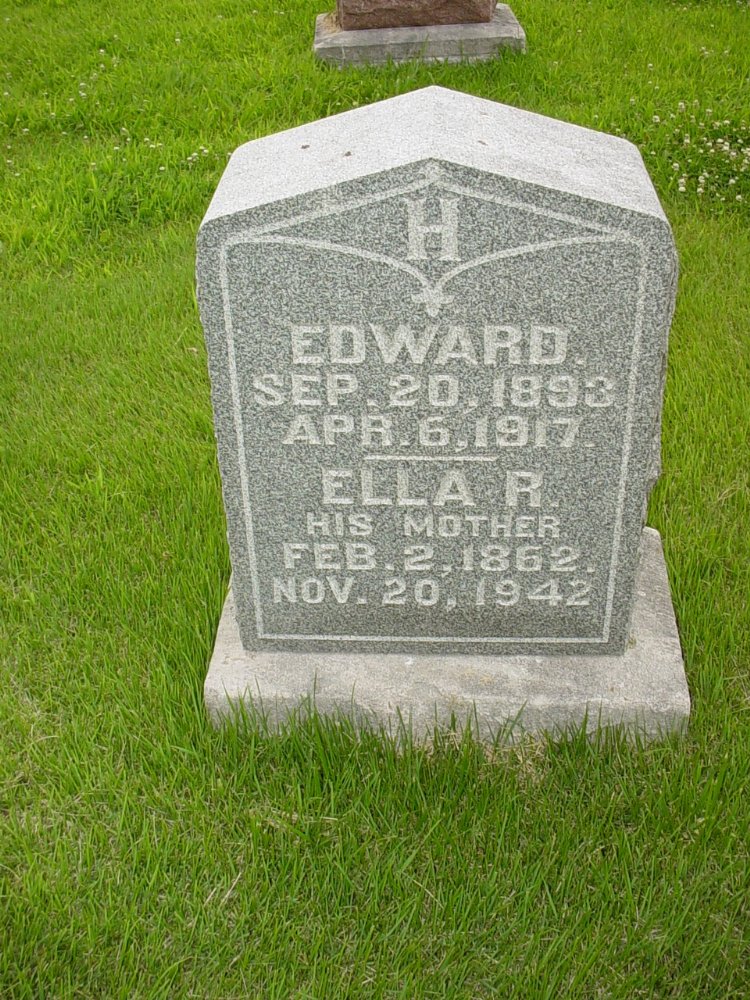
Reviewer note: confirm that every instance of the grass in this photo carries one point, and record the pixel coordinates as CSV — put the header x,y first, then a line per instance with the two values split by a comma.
x,y
143,854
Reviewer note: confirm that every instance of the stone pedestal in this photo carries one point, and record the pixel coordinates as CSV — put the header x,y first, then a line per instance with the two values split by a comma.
x,y
644,689
473,42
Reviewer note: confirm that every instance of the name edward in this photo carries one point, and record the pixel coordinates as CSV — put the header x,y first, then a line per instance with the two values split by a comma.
x,y
349,344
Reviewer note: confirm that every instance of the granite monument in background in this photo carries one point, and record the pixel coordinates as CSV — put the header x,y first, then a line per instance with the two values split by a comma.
x,y
437,342
354,15
379,31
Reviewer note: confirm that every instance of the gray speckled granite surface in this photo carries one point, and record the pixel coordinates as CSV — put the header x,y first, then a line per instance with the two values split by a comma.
x,y
437,332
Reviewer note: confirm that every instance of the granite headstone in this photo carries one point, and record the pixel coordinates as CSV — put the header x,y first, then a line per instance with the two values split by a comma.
x,y
437,332
359,14
374,33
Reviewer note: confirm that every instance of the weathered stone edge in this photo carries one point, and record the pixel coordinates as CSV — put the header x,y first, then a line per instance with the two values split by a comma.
x,y
433,43
644,690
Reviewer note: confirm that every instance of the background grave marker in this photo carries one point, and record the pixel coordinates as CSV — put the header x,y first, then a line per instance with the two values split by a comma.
x,y
371,32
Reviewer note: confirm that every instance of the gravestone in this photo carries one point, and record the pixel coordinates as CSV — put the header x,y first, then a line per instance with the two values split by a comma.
x,y
374,32
358,14
437,342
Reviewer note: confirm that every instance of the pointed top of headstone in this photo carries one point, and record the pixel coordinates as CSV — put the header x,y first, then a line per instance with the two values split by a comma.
x,y
440,124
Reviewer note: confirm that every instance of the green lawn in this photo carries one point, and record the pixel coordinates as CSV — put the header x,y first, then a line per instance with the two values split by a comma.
x,y
142,854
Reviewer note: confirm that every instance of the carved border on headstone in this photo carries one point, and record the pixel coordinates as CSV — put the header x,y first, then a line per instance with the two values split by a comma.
x,y
432,296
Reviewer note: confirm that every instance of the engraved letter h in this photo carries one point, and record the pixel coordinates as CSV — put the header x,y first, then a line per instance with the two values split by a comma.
x,y
446,229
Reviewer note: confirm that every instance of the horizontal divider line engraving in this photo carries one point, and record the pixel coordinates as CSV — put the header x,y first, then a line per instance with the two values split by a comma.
x,y
429,638
431,458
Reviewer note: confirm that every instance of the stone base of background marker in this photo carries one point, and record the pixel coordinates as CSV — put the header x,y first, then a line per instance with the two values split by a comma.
x,y
432,43
644,689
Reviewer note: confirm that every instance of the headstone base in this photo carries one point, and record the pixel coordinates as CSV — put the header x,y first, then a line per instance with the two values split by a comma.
x,y
644,690
432,43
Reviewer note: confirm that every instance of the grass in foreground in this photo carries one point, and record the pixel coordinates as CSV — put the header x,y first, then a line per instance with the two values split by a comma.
x,y
143,854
